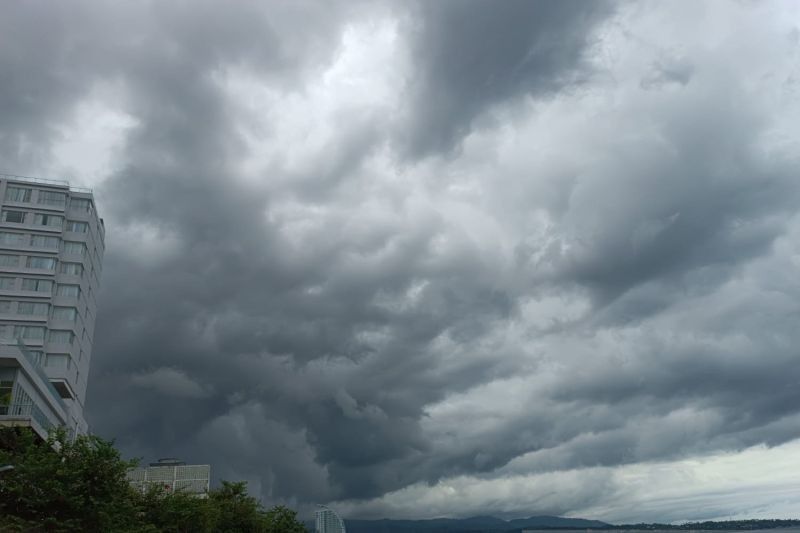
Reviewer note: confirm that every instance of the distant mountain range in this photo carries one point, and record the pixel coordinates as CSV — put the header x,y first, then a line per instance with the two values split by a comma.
x,y
491,524
476,524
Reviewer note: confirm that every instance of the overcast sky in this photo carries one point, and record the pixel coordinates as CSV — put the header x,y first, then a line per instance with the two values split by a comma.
x,y
446,258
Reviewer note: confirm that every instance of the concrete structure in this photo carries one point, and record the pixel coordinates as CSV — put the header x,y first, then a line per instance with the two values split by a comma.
x,y
328,521
172,475
51,250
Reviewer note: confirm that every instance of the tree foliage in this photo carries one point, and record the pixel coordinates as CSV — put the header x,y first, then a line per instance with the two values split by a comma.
x,y
63,485
80,485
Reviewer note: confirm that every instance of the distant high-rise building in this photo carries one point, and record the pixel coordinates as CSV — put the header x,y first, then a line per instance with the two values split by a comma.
x,y
51,255
172,475
328,521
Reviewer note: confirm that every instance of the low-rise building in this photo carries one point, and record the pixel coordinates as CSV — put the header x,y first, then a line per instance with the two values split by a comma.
x,y
172,475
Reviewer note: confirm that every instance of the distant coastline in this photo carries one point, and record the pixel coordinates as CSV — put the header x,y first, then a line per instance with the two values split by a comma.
x,y
726,525
490,524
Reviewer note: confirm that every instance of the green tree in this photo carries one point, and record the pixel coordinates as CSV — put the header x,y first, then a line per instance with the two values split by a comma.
x,y
80,485
64,485
281,519
237,511
176,512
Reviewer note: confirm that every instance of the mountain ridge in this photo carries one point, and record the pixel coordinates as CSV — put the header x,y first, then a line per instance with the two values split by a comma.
x,y
474,524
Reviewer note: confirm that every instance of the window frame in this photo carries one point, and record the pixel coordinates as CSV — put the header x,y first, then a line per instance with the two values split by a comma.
x,y
37,281
33,307
44,193
3,264
68,244
56,241
6,212
70,285
71,336
46,217
27,194
57,308
71,263
53,259
71,223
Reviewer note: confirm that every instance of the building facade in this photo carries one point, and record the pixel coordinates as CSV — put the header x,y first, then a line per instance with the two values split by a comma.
x,y
51,254
172,475
328,521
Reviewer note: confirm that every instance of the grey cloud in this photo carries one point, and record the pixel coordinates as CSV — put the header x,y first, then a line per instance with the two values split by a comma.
x,y
671,71
308,330
42,75
472,54
702,199
170,382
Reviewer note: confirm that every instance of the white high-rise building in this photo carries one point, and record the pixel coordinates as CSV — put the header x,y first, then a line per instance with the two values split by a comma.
x,y
328,521
51,254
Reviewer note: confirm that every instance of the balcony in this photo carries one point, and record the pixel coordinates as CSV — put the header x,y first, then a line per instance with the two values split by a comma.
x,y
33,401
26,415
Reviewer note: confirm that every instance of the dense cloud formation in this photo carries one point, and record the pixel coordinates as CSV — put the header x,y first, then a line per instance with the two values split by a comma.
x,y
435,258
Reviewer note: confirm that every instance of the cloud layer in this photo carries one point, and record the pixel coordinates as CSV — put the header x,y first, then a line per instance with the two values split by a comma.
x,y
393,254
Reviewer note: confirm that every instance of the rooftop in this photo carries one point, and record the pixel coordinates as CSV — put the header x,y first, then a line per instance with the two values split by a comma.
x,y
42,181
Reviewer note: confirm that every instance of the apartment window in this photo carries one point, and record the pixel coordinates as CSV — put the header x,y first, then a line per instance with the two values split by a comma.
x,y
42,219
75,248
29,333
22,401
9,260
80,204
45,241
77,227
17,217
37,356
58,360
61,336
52,198
72,291
18,194
6,388
7,284
5,306
42,263
13,239
32,308
65,313
73,269
37,285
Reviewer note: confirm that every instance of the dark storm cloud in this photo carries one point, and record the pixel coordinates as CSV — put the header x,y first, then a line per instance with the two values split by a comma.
x,y
234,290
43,76
471,54
702,199
338,329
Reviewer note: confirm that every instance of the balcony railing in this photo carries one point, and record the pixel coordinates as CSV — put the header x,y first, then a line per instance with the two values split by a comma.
x,y
37,368
27,410
42,181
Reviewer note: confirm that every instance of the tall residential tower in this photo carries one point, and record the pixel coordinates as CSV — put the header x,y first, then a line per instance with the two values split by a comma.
x,y
51,252
327,521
